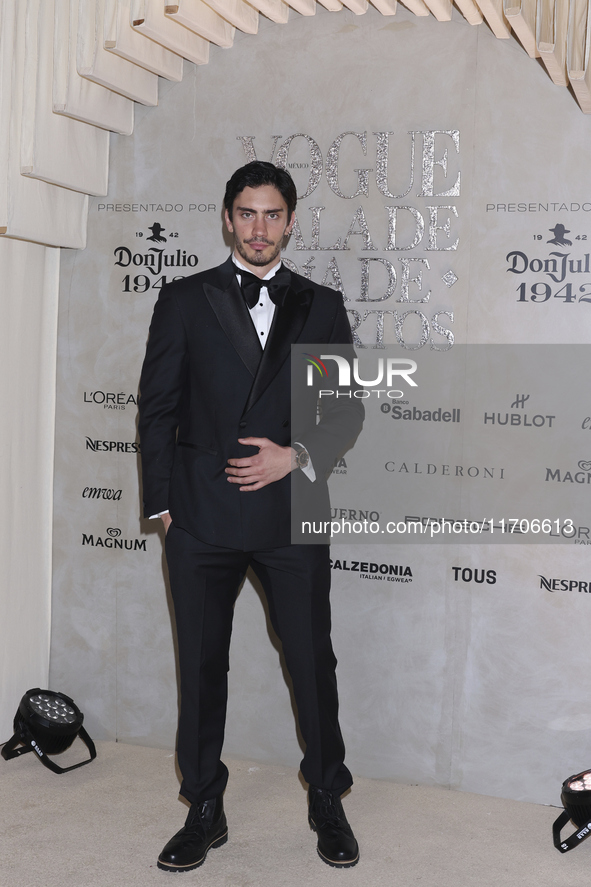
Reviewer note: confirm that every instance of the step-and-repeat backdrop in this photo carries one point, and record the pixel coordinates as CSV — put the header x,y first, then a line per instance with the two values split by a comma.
x,y
444,189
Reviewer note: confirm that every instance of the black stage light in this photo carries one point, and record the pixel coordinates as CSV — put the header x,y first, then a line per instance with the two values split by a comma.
x,y
576,800
47,723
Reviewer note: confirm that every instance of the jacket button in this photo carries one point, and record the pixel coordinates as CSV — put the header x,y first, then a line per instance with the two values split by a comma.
x,y
242,425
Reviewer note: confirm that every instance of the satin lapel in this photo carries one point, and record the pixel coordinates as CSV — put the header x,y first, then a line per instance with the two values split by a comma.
x,y
287,325
232,313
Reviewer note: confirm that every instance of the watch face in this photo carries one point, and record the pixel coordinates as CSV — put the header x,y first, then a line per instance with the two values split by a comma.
x,y
302,458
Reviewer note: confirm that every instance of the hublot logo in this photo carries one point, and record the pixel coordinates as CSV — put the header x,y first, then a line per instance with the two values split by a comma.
x,y
519,420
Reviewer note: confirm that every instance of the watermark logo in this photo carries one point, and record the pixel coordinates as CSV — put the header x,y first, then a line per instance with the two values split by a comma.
x,y
312,362
386,372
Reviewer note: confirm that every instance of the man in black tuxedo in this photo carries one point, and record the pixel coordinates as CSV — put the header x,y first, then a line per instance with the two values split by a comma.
x,y
219,455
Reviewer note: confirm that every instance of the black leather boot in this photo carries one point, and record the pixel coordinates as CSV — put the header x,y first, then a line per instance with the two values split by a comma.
x,y
205,827
336,842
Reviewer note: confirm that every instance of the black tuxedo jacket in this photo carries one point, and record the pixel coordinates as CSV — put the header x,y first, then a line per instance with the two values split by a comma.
x,y
206,382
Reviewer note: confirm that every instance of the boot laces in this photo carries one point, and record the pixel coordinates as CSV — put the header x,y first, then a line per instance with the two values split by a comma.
x,y
327,810
196,820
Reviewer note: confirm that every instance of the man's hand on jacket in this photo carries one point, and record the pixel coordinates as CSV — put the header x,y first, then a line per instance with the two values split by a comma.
x,y
270,464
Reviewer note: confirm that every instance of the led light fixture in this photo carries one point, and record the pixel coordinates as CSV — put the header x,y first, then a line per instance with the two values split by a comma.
x,y
576,800
47,723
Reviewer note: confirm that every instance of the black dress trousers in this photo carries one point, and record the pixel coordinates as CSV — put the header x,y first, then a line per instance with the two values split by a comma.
x,y
204,582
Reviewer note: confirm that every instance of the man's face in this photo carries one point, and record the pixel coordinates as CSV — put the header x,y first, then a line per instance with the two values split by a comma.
x,y
259,223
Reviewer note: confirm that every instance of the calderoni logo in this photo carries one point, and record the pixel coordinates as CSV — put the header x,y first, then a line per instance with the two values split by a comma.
x,y
101,493
560,476
565,584
110,400
112,446
113,540
371,570
430,468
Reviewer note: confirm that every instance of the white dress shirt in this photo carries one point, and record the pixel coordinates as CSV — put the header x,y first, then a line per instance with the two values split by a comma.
x,y
263,312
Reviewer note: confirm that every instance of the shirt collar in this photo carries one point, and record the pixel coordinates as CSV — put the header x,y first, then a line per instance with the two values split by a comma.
x,y
267,276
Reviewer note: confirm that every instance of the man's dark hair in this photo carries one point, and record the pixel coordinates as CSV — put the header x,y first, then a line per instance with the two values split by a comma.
x,y
258,173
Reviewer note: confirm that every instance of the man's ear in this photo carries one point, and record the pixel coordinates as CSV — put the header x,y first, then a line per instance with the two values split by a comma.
x,y
290,225
228,221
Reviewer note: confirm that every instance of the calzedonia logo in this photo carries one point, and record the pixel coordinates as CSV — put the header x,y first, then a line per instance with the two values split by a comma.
x,y
385,372
370,570
112,446
112,539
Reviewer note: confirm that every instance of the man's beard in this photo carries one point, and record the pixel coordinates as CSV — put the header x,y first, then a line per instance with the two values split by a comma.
x,y
258,258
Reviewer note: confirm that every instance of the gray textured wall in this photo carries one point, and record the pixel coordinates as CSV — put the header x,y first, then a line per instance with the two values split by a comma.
x,y
475,686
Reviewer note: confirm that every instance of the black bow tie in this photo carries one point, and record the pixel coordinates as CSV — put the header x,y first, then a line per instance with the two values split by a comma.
x,y
277,286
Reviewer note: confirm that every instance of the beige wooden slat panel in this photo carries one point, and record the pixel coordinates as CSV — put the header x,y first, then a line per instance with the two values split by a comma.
x,y
441,9
123,40
7,34
577,53
200,18
359,7
240,14
56,149
551,31
95,63
492,10
416,6
29,208
521,15
336,5
470,11
28,337
75,96
304,7
386,7
276,10
148,17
